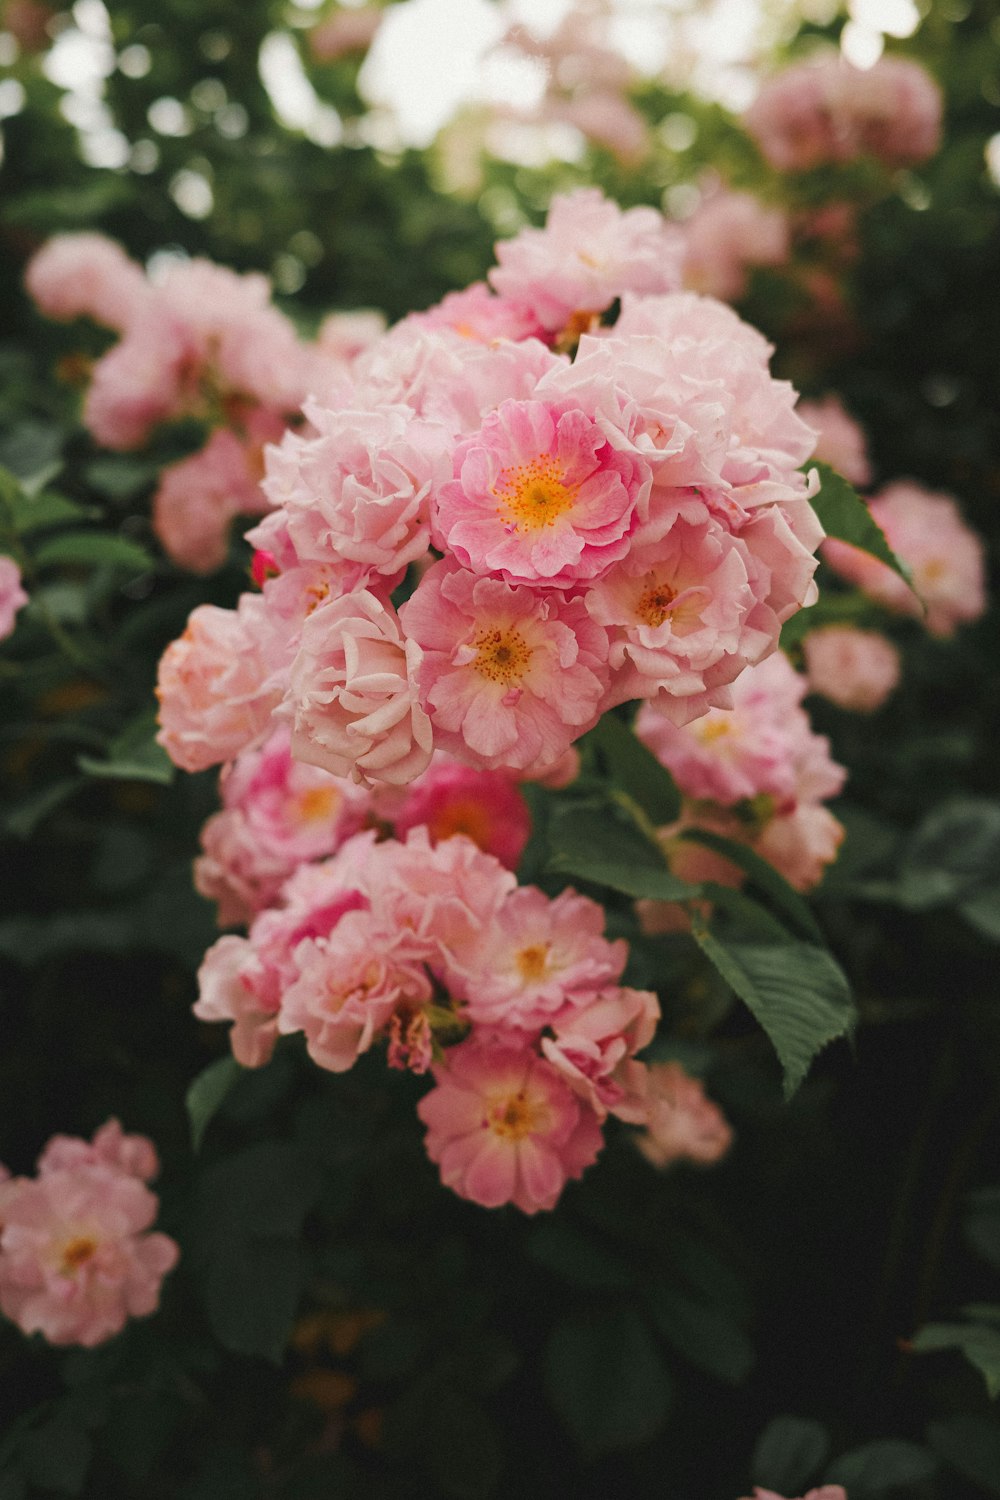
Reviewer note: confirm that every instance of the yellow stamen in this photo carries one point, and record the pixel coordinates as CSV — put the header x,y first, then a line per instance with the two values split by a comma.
x,y
533,962
532,495
502,656
653,606
77,1253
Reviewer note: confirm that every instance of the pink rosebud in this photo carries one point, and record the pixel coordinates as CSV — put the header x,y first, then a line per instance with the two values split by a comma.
x,y
353,694
504,1127
682,1124
856,669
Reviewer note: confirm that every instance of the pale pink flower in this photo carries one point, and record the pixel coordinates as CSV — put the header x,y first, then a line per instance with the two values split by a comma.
x,y
510,677
945,556
593,1046
682,1123
841,442
217,686
538,956
480,315
353,693
344,32
856,669
134,1155
825,1492
504,1127
800,844
77,1259
86,275
829,111
357,487
345,335
729,234
145,379
350,985
12,595
540,497
450,798
198,497
588,253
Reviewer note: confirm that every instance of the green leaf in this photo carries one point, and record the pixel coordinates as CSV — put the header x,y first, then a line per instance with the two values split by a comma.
x,y
577,1257
57,1456
844,514
886,1464
971,1445
606,1379
134,755
602,848
795,990
99,548
23,819
49,509
979,1343
206,1094
982,1224
953,856
789,1453
783,897
635,770
703,1333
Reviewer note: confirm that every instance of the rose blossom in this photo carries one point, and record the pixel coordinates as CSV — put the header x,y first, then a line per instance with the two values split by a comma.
x,y
727,235
856,669
593,1046
198,497
682,1124
588,253
216,684
12,595
77,1259
449,798
539,497
504,1127
945,557
85,275
510,677
353,693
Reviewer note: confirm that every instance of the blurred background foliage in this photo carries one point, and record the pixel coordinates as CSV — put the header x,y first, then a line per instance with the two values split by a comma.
x,y
676,1336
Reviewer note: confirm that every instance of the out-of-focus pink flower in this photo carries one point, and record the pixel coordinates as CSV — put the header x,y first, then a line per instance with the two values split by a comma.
x,y
28,21
353,694
216,685
12,595
588,253
841,442
486,806
345,31
539,497
728,235
145,379
505,1127
606,118
345,335
830,111
509,676
825,1492
856,669
478,314
682,1123
77,1259
945,556
199,496
538,956
85,275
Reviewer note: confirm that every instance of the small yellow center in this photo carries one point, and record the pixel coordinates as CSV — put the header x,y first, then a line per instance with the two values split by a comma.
x,y
933,570
513,1117
502,656
710,730
532,495
77,1253
316,805
653,606
533,962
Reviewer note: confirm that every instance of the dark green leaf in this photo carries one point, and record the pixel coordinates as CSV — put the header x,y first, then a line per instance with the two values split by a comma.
x,y
99,548
783,898
23,819
789,1453
980,1345
952,855
796,991
206,1094
636,771
602,848
884,1465
704,1333
607,1380
57,1456
982,1224
134,755
844,514
971,1446
576,1257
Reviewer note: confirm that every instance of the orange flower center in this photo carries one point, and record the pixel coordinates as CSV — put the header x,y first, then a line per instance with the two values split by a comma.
x,y
77,1253
317,804
532,495
470,818
532,962
655,604
502,656
514,1117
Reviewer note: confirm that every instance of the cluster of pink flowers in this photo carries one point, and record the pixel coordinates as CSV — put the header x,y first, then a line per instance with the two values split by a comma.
x,y
12,595
278,814
200,341
826,110
77,1258
511,998
631,523
944,554
756,773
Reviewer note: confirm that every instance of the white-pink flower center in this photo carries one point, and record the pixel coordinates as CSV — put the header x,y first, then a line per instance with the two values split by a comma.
x,y
532,495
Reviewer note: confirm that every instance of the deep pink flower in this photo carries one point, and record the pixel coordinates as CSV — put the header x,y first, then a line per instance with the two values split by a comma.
x,y
510,677
450,798
540,497
504,1127
593,1046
